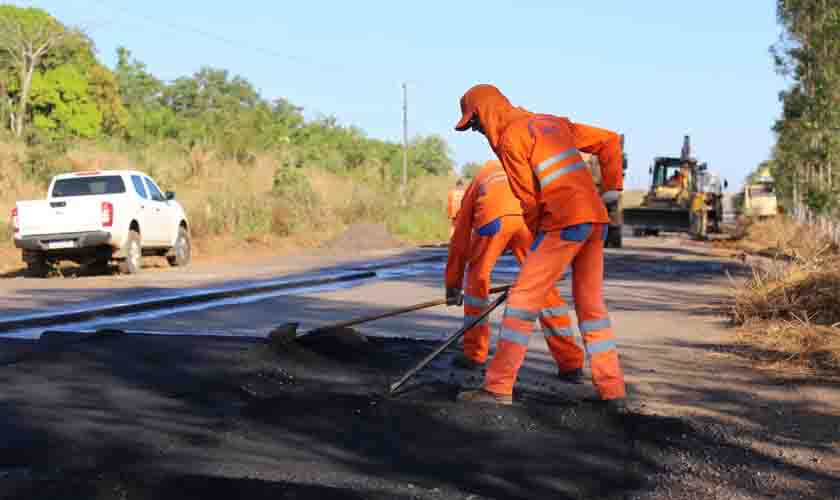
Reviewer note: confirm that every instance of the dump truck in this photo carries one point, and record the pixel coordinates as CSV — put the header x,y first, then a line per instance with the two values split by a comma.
x,y
758,199
684,196
614,236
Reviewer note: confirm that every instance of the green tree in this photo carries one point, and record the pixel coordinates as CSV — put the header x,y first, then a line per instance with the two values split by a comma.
x,y
431,155
137,86
808,132
62,105
26,36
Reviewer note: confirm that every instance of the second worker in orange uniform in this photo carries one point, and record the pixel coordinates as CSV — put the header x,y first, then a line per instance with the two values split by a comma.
x,y
490,221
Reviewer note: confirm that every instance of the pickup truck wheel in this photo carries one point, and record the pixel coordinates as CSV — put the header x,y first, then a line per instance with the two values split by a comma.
x,y
182,250
38,268
99,266
614,237
133,254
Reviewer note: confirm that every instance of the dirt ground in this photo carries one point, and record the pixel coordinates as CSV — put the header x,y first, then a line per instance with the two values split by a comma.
x,y
361,237
163,417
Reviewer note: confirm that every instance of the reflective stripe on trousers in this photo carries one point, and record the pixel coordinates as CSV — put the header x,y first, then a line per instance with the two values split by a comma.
x,y
484,252
540,271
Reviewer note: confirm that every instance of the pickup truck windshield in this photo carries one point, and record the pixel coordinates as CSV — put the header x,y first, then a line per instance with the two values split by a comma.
x,y
88,186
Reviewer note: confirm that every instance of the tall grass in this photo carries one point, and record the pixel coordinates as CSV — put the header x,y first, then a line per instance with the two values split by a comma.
x,y
263,198
790,307
14,185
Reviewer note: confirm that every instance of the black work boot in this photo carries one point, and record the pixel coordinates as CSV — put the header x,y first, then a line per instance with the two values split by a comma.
x,y
485,397
617,406
462,361
571,377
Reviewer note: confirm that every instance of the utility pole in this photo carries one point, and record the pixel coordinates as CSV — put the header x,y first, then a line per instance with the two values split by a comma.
x,y
405,144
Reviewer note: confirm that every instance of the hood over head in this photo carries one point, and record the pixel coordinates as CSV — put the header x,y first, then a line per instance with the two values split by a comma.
x,y
493,109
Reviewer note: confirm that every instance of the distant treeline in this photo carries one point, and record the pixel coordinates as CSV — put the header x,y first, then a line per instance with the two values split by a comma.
x,y
54,91
808,131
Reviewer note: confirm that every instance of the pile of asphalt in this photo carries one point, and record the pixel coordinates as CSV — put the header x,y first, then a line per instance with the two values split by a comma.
x,y
364,236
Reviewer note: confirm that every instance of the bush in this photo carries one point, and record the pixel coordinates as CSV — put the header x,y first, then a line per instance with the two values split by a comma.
x,y
44,161
419,224
294,204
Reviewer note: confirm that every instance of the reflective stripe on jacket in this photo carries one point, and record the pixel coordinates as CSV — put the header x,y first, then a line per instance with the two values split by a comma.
x,y
541,155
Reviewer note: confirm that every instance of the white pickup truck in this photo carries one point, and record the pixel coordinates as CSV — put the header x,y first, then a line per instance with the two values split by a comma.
x,y
92,218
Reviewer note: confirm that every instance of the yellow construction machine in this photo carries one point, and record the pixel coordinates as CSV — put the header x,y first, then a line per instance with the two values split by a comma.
x,y
684,196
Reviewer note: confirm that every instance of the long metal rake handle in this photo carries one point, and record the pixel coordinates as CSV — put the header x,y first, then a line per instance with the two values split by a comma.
x,y
395,312
452,339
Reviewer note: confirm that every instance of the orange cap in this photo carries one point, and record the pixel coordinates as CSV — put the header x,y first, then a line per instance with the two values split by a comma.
x,y
471,100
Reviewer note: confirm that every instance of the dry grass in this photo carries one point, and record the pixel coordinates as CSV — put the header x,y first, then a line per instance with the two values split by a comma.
x,y
791,345
14,185
233,205
790,308
780,237
807,291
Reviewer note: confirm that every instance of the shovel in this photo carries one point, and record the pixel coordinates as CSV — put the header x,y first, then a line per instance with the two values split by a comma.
x,y
452,339
287,332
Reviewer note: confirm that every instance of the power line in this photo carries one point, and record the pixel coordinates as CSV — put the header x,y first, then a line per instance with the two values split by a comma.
x,y
235,43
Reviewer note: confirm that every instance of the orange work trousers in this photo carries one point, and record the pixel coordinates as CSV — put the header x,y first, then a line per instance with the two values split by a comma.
x,y
511,232
582,246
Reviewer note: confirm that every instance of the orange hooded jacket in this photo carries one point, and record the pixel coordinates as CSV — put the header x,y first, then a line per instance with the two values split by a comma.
x,y
487,198
541,155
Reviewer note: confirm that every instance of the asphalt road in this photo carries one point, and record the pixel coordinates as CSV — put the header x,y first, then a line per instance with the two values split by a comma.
x,y
180,415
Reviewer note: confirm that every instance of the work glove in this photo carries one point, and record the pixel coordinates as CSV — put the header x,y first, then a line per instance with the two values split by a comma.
x,y
610,197
454,297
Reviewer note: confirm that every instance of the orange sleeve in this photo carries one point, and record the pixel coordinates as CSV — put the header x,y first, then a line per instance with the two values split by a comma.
x,y
450,204
522,183
606,145
459,244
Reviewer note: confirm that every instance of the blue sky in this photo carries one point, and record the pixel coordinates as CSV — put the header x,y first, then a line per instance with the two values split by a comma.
x,y
653,70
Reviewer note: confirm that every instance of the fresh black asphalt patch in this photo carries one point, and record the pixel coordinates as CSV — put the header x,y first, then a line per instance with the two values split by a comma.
x,y
151,417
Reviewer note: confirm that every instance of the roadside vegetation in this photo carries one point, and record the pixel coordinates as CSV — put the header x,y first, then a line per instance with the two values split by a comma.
x,y
247,169
788,312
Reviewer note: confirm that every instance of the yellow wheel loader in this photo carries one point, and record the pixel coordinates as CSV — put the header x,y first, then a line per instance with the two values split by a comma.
x,y
684,196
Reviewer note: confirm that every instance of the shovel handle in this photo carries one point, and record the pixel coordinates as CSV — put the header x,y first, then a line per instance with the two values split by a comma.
x,y
451,340
395,312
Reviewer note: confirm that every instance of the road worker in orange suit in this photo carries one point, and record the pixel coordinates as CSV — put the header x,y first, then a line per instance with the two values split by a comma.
x,y
675,180
453,203
491,221
564,209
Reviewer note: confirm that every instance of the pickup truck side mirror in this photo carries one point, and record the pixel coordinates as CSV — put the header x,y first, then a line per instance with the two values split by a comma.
x,y
170,195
